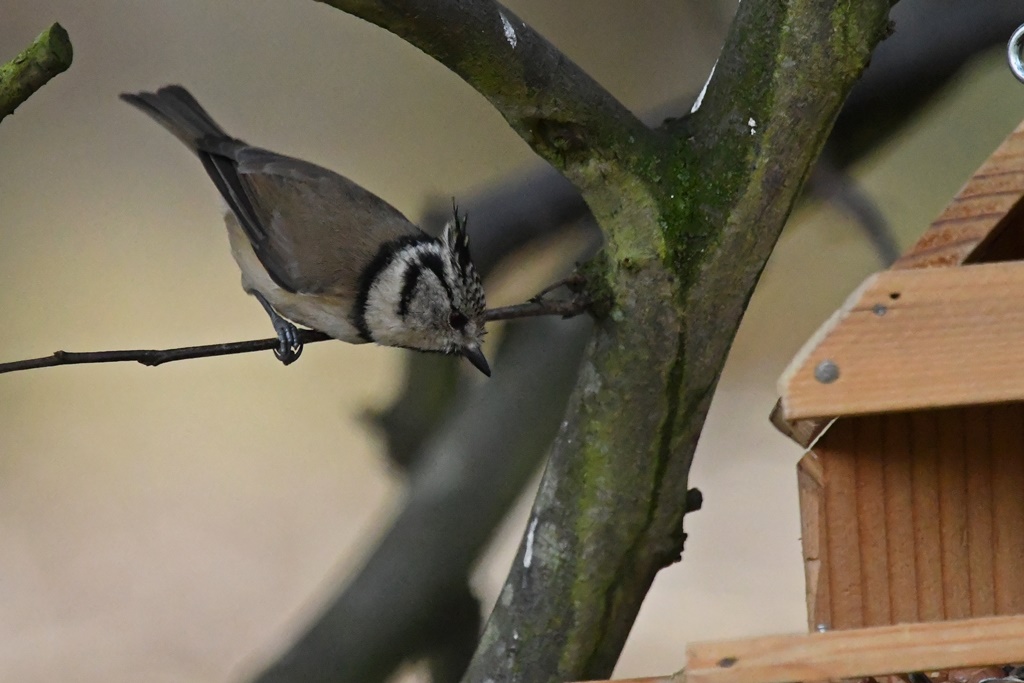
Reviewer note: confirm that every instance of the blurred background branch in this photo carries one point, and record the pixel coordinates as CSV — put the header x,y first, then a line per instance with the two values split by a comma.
x,y
49,55
411,597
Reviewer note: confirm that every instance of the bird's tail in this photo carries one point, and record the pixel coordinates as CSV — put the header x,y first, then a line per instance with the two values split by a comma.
x,y
174,108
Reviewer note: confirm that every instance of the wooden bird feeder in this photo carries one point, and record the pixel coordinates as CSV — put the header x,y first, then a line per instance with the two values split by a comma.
x,y
910,401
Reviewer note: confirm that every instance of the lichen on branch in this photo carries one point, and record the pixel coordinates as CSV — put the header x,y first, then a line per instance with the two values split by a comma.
x,y
49,55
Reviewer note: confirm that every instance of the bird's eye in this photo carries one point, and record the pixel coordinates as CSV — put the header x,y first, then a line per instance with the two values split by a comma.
x,y
457,320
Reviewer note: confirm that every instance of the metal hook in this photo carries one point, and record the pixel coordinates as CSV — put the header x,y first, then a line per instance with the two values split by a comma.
x,y
1013,53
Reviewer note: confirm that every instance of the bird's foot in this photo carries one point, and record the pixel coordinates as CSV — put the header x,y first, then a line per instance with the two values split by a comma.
x,y
574,283
289,347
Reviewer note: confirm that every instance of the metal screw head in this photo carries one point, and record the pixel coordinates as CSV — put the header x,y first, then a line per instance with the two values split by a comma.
x,y
826,372
879,309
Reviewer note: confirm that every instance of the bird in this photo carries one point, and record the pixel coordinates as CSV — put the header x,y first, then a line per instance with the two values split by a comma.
x,y
317,249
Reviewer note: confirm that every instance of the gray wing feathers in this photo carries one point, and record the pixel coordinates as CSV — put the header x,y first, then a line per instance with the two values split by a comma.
x,y
312,229
322,229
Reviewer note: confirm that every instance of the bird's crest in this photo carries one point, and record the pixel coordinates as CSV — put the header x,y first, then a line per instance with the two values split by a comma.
x,y
456,242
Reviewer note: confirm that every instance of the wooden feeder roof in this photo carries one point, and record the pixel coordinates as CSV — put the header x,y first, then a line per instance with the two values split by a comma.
x,y
943,327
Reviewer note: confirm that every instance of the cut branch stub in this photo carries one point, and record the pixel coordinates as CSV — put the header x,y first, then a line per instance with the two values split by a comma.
x,y
49,55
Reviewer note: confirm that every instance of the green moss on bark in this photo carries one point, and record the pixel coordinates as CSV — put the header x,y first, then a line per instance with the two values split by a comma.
x,y
49,55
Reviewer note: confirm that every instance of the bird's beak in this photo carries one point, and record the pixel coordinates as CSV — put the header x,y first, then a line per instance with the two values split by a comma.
x,y
475,356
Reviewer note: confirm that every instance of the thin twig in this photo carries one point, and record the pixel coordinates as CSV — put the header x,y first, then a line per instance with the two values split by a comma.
x,y
153,357
567,308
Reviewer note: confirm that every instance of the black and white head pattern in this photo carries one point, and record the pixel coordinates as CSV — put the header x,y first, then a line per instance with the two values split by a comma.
x,y
424,293
470,291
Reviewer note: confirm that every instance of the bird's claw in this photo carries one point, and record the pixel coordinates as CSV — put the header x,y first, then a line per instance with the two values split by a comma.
x,y
288,354
574,283
290,347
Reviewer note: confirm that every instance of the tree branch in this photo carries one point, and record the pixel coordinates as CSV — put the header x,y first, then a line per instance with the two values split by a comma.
x,y
567,308
154,357
564,114
48,56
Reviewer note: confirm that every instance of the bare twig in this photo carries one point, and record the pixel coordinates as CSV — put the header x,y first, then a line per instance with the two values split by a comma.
x,y
48,56
567,308
153,357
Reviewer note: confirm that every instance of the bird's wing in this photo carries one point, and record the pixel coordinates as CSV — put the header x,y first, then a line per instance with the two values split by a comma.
x,y
312,229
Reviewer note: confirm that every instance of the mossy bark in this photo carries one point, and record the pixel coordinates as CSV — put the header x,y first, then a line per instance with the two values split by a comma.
x,y
48,56
691,212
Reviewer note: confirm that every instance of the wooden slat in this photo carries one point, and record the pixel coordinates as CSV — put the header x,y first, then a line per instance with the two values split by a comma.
x,y
979,511
846,598
814,540
976,213
1007,442
872,522
858,653
804,432
956,581
899,517
924,450
916,339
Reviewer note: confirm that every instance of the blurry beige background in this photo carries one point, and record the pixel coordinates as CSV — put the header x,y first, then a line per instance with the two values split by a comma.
x,y
179,523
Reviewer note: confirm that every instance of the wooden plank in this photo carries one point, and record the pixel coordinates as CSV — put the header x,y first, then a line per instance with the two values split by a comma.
x,y
871,465
977,212
924,452
898,513
845,583
915,339
803,432
877,651
813,538
1007,430
1005,243
979,511
953,503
